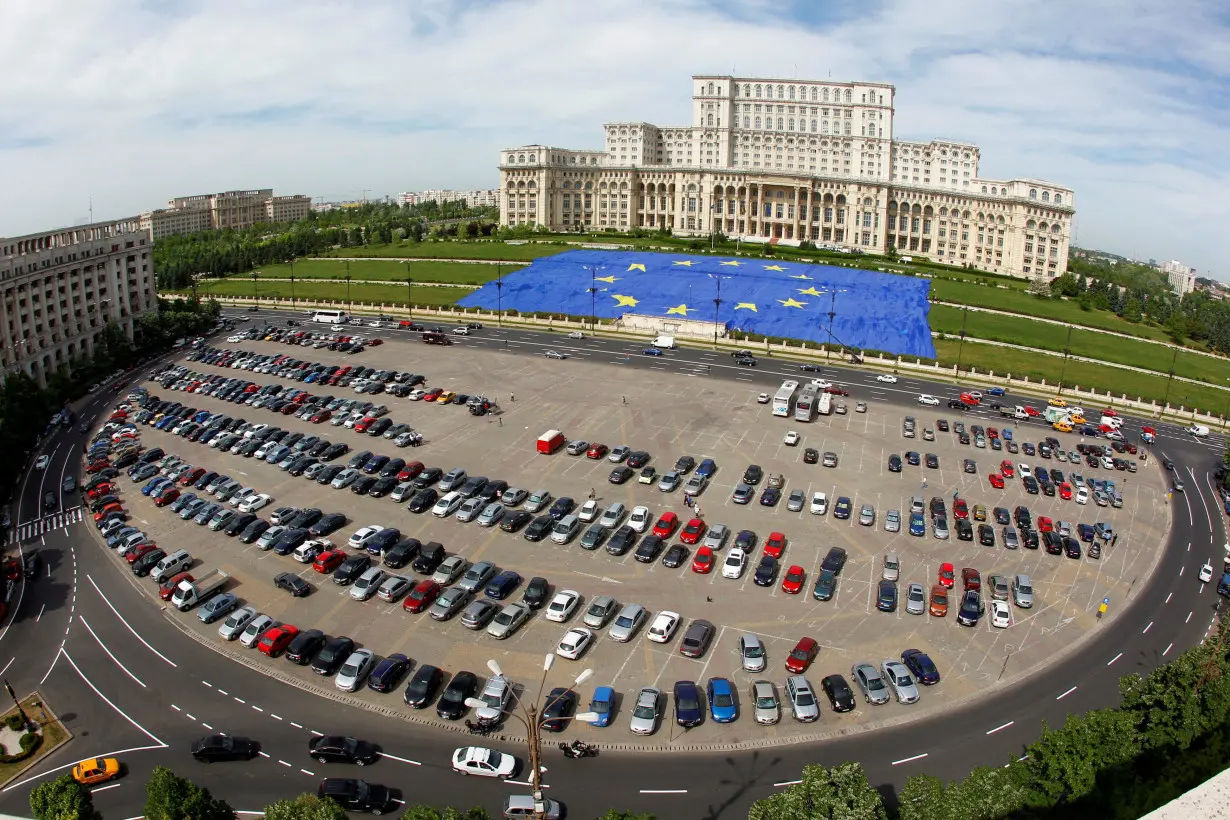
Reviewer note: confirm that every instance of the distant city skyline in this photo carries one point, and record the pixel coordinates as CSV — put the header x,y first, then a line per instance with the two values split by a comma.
x,y
1125,109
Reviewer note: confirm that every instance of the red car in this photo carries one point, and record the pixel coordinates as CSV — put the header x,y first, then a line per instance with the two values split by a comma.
x,y
1065,491
95,466
321,416
363,423
192,476
960,508
289,408
410,471
992,432
328,561
997,480
164,498
666,525
422,596
971,579
1032,412
834,390
375,342
793,582
167,588
947,575
596,451
1045,524
802,655
775,545
106,488
275,641
433,394
1006,469
693,531
702,562
133,554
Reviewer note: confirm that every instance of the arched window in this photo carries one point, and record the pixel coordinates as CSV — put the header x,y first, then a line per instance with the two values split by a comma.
x,y
747,90
849,96
709,122
813,93
965,214
791,124
781,195
813,126
867,202
943,212
1033,193
758,90
533,184
758,122
792,92
692,188
520,157
826,95
779,123
710,88
567,185
589,186
1030,225
533,158
1058,199
781,92
847,128
984,189
1042,226
1046,196
747,122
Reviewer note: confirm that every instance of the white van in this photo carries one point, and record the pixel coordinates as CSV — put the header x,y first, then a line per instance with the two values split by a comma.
x,y
667,342
170,565
1198,430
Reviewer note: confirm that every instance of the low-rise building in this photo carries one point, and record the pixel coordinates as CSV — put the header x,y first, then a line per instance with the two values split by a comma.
x,y
230,209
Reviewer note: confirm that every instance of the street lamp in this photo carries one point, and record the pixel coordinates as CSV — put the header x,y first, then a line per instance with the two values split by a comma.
x,y
1170,378
1067,349
717,304
529,717
961,346
255,291
409,294
499,294
292,284
593,294
349,301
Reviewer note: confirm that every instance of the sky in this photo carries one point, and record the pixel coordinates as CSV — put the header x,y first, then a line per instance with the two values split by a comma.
x,y
123,104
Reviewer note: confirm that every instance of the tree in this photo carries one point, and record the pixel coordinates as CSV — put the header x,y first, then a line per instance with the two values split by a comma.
x,y
170,797
841,791
1039,287
306,806
922,798
447,813
1063,765
62,799
615,814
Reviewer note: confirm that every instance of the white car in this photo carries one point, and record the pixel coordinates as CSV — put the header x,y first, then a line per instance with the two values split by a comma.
x,y
763,398
1206,573
255,628
640,520
589,512
901,681
563,605
555,354
887,378
42,462
576,334
354,670
361,535
928,400
461,331
574,643
791,439
484,762
735,563
819,503
1081,496
255,502
447,505
1024,470
1001,615
663,627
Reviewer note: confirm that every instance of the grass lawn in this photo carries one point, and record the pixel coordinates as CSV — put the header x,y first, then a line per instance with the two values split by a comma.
x,y
314,290
487,249
54,735
946,319
1087,375
452,273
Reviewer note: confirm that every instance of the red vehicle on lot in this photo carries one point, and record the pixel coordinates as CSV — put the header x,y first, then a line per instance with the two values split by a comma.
x,y
596,451
138,552
1065,491
1006,469
802,655
693,531
666,525
433,394
775,544
362,424
792,583
167,588
95,466
992,432
997,480
410,471
275,641
970,399
422,596
834,390
1032,412
322,415
971,579
947,575
288,408
960,508
192,476
1045,524
106,488
702,562
328,561
375,342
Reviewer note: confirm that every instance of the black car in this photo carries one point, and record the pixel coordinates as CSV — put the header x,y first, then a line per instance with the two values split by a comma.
x,y
492,490
933,461
539,527
1030,484
965,530
886,596
620,474
253,531
238,524
329,473
684,464
841,697
769,497
359,459
146,563
562,506
971,608
363,484
308,517
834,561
300,465
637,459
383,540
423,501
753,474
339,749
1022,517
986,535
1071,547
289,541
452,704
304,646
429,476
325,525
421,690
334,451
766,571
430,556
292,583
536,592
894,463
215,748
912,458
355,795
558,709
402,553
516,519
333,654
351,568
675,557
1029,537
648,551
388,673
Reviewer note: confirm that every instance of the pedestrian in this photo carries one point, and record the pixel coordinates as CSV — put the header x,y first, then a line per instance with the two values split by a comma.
x,y
592,493
501,422
1114,539
699,514
625,398
924,483
512,396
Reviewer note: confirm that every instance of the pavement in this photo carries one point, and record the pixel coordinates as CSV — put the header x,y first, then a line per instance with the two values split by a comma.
x,y
127,681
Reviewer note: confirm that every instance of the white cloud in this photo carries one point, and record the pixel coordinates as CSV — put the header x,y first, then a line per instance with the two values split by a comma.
x,y
135,102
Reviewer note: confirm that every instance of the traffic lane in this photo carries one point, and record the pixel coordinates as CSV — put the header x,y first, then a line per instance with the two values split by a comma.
x,y
45,615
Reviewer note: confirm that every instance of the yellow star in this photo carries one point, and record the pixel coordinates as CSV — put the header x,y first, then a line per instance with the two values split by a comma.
x,y
747,306
636,266
773,267
801,276
791,303
682,310
609,279
811,291
732,263
623,301
685,263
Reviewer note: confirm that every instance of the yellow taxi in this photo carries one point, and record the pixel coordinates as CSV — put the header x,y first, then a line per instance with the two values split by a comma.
x,y
96,770
1057,402
1062,426
446,397
1076,418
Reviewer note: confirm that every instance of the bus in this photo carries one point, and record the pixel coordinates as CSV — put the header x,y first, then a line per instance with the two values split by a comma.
x,y
805,407
330,317
783,402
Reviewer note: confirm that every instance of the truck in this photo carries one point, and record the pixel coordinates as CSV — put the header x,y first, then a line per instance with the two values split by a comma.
x,y
1055,414
824,406
1110,421
550,441
190,593
665,342
1198,430
1017,412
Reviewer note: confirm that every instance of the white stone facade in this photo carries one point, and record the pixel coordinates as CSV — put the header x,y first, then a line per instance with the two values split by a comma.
x,y
230,209
791,161
481,198
1182,278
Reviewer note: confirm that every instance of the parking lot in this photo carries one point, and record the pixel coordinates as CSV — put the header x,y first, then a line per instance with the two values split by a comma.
x,y
669,417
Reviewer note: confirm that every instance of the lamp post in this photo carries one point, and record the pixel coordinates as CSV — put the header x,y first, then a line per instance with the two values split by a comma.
x,y
24,718
1170,378
409,294
832,316
349,301
529,717
717,305
961,346
499,294
1067,348
593,295
255,291
292,284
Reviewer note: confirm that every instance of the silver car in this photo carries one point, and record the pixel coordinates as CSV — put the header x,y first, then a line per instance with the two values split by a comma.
x,y
892,521
1022,591
867,515
600,611
507,620
647,711
450,570
868,678
802,699
612,516
900,679
344,479
668,482
796,500
236,623
716,537
751,653
766,706
630,619
354,670
447,605
470,509
255,628
477,576
270,535
915,599
478,613
695,486
537,500
491,514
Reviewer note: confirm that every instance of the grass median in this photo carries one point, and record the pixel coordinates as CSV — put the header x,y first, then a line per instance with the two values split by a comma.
x,y
488,249
315,290
451,273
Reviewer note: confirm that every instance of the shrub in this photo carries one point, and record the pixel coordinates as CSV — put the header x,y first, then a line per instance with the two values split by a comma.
x,y
14,722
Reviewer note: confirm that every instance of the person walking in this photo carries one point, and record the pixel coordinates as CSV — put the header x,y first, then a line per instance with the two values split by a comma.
x,y
592,494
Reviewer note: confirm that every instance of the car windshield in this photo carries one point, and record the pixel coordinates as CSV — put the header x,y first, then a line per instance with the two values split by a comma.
x,y
800,654
723,699
766,702
753,651
875,684
687,701
804,698
504,618
624,621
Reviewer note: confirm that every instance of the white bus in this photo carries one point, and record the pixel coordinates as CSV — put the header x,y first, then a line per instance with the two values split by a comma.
x,y
805,407
825,405
330,317
783,402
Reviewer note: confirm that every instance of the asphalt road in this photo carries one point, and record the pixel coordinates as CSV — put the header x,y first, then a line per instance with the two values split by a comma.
x,y
128,683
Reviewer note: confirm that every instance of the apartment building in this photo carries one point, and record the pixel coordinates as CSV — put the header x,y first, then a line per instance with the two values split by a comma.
x,y
474,199
1182,278
229,209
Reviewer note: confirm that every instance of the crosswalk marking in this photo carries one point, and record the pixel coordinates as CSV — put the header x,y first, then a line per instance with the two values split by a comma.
x,y
35,528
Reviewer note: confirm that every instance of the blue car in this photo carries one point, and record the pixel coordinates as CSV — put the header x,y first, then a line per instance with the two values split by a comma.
x,y
886,596
996,391
502,585
1006,433
688,711
603,705
921,666
721,696
651,351
770,497
707,468
154,485
918,526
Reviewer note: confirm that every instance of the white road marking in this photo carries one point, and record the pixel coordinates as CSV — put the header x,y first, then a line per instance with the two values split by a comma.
x,y
309,774
104,788
125,623
263,754
664,791
1065,694
788,783
1147,628
1001,728
89,683
1112,660
910,759
127,671
399,759
1167,649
